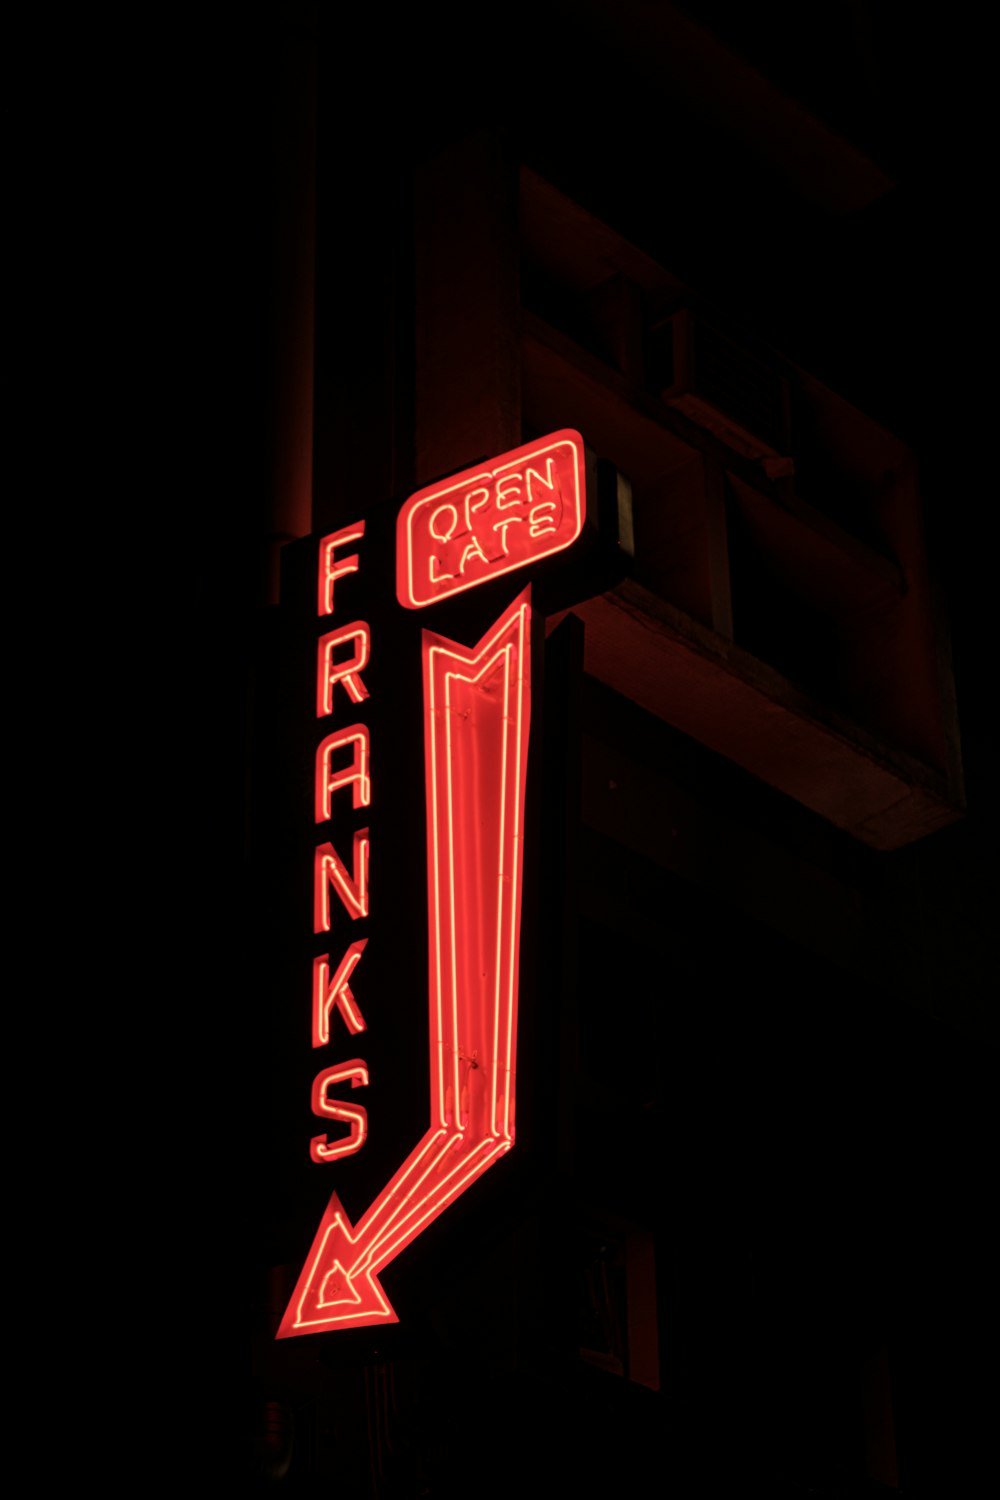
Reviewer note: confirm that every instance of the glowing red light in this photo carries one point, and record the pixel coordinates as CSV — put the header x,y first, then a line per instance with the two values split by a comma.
x,y
356,776
335,1109
330,571
485,522
336,994
330,870
477,706
347,671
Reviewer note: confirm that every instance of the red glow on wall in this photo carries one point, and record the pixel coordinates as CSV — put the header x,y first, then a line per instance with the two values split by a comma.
x,y
485,522
476,722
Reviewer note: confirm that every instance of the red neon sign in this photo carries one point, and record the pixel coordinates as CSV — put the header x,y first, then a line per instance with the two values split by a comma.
x,y
476,720
484,522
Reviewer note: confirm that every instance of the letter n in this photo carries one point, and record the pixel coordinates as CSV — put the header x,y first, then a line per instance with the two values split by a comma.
x,y
329,870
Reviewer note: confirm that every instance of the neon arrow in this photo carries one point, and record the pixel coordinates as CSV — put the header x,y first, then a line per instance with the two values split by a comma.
x,y
477,707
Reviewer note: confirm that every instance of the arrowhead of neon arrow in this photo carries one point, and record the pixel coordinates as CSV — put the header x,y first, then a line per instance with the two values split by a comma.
x,y
333,1291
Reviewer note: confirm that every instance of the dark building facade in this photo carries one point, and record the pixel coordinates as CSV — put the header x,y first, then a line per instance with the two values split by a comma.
x,y
742,1244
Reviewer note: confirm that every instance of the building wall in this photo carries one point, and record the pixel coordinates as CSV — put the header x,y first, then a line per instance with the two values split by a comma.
x,y
743,1239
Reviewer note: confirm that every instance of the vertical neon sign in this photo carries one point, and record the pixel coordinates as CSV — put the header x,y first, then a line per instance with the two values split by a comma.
x,y
477,712
330,874
479,525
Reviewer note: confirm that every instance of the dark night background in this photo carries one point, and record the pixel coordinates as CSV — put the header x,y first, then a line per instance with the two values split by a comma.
x,y
819,1121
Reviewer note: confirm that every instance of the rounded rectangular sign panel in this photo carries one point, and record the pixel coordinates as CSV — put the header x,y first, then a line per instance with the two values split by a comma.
x,y
487,521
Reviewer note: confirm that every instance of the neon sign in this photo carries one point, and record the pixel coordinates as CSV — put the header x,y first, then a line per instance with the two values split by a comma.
x,y
476,716
485,522
506,515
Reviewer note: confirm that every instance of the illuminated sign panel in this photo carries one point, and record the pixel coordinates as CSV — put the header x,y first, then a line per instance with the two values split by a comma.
x,y
378,689
490,520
